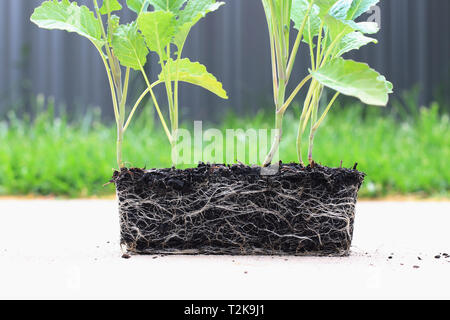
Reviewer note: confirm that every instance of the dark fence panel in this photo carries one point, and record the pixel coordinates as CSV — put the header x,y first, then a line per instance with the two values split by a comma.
x,y
232,43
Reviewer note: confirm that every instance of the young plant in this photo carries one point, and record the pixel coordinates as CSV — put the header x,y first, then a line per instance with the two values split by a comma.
x,y
125,47
279,14
330,30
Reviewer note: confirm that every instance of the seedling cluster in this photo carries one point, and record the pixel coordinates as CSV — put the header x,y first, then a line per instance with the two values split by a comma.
x,y
220,209
125,47
328,27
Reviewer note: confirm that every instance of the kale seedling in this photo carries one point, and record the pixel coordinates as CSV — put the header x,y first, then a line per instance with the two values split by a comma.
x,y
125,47
330,30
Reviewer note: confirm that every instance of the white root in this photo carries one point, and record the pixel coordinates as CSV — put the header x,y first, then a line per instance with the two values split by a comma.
x,y
286,214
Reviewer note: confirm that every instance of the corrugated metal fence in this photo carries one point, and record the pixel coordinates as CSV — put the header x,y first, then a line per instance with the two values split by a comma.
x,y
232,43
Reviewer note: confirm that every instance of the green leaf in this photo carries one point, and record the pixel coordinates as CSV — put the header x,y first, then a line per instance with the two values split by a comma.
x,y
69,17
353,41
158,28
340,9
359,7
167,5
129,46
196,8
194,73
298,12
355,79
324,6
343,27
182,34
194,11
138,6
365,27
336,27
335,17
110,6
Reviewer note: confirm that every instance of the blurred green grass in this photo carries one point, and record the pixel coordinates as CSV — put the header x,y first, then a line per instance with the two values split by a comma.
x,y
403,153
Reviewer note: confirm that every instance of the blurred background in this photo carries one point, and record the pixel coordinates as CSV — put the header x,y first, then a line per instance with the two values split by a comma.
x,y
56,119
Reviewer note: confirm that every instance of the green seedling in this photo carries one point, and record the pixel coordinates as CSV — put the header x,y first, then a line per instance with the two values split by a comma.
x,y
330,30
125,47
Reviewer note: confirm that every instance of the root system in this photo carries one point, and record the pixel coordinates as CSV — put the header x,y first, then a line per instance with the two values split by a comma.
x,y
235,210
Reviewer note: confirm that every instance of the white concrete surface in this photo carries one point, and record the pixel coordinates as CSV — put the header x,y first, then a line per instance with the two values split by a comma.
x,y
69,249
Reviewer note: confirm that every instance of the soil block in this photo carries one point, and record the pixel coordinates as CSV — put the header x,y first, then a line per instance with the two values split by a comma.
x,y
238,210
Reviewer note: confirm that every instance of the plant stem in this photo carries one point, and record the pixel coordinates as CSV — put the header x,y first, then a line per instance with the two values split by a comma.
x,y
319,44
315,127
311,50
303,119
314,111
277,139
176,86
169,90
294,93
111,59
297,42
331,47
175,124
272,49
274,67
115,82
111,84
155,102
282,63
120,128
322,118
138,102
279,114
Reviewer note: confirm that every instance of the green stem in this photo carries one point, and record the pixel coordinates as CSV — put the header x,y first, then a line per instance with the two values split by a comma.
x,y
136,105
278,35
311,50
324,42
169,91
322,118
123,102
310,110
117,72
298,42
176,88
111,59
116,109
111,85
316,126
282,63
120,130
314,111
115,83
273,58
277,139
175,122
331,47
294,93
303,119
155,102
319,44
279,114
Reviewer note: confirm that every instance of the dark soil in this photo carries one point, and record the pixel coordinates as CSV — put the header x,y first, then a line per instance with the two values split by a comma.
x,y
217,209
